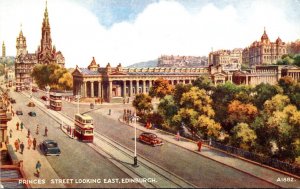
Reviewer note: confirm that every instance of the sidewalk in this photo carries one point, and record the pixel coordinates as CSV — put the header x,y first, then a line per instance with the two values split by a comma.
x,y
30,157
252,168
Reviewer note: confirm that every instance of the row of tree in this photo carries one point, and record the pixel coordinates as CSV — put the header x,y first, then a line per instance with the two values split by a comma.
x,y
264,119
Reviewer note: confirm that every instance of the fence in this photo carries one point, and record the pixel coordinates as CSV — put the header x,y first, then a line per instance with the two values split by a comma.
x,y
258,158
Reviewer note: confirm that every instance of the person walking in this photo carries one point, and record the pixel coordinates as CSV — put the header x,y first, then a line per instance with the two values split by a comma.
x,y
22,147
37,130
17,145
29,143
17,125
46,131
22,126
199,144
178,136
34,143
38,166
10,133
28,133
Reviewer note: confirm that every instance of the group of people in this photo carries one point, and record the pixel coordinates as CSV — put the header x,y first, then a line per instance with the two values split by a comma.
x,y
21,146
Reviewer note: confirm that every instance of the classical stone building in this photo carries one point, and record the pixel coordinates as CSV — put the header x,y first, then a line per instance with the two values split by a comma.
x,y
230,60
114,84
45,54
265,52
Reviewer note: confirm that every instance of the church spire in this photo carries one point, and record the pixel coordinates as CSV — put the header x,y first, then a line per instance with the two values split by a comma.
x,y
46,17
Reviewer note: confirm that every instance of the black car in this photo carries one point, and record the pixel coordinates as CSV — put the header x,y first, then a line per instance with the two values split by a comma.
x,y
19,112
13,101
50,147
32,114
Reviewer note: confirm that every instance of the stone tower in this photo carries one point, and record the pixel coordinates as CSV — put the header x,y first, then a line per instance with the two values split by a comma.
x,y
21,44
3,50
46,53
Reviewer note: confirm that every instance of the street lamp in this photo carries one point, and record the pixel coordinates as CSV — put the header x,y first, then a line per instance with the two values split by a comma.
x,y
135,154
48,94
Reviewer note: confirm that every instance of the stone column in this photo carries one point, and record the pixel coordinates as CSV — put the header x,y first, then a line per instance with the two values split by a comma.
x,y
137,87
109,91
124,88
144,86
84,89
99,89
150,84
92,89
130,88
246,80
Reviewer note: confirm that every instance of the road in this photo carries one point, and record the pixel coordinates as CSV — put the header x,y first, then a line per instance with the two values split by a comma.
x,y
77,160
196,169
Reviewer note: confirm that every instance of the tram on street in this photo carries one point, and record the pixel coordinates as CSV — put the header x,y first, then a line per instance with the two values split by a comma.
x,y
55,101
84,129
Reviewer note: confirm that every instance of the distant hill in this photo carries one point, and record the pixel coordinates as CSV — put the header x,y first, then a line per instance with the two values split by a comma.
x,y
147,64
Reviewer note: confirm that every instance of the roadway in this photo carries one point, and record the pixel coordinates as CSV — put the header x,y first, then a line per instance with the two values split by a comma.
x,y
196,169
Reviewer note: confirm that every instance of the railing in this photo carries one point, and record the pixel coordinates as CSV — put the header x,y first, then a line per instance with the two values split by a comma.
x,y
258,158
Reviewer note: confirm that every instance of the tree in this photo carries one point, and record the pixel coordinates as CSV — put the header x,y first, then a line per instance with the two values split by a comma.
x,y
263,92
142,103
66,81
167,108
277,103
243,136
239,112
160,88
203,82
179,90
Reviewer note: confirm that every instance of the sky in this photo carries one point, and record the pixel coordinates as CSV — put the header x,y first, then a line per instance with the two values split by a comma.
x,y
131,31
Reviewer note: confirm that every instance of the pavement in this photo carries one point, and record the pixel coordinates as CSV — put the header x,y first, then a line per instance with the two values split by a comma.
x,y
269,174
30,158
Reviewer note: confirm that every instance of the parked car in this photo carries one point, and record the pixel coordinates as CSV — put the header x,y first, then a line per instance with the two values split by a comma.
x,y
34,90
13,101
31,104
45,98
150,138
19,112
32,114
50,147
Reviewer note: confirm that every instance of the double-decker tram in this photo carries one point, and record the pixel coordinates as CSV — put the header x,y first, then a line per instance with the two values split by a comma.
x,y
55,101
84,129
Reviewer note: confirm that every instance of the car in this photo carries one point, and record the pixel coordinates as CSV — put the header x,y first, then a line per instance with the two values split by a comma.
x,y
31,104
150,138
32,114
50,147
13,101
19,112
34,90
45,98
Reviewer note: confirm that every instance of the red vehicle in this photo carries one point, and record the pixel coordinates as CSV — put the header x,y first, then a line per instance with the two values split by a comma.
x,y
150,138
45,98
84,129
34,89
55,101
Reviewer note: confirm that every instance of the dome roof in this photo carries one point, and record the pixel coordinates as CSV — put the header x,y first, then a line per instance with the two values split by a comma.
x,y
264,36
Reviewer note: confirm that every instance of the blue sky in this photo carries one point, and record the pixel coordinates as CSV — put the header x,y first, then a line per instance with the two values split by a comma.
x,y
131,31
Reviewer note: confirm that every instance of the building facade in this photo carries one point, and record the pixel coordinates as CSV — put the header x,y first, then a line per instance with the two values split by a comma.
x,y
230,60
265,52
45,54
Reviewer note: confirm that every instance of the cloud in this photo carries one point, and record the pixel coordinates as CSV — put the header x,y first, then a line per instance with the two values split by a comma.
x,y
164,27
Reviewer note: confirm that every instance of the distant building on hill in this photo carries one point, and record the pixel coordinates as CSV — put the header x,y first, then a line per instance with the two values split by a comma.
x,y
182,61
230,60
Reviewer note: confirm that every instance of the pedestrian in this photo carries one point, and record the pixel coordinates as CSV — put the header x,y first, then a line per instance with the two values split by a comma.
x,y
28,133
22,147
37,130
178,136
17,145
17,126
22,126
29,143
10,133
34,143
46,131
38,166
199,144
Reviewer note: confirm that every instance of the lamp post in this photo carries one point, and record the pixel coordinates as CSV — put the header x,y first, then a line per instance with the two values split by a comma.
x,y
48,95
78,97
135,161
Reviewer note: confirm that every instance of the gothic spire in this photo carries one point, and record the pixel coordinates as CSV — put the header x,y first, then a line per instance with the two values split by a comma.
x,y
46,18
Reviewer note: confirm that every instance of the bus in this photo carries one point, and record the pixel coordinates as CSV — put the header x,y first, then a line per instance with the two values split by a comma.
x,y
55,101
84,129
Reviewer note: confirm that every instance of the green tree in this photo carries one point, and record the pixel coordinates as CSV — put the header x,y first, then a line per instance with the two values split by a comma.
x,y
142,103
243,136
167,108
160,88
265,92
203,82
66,81
179,90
